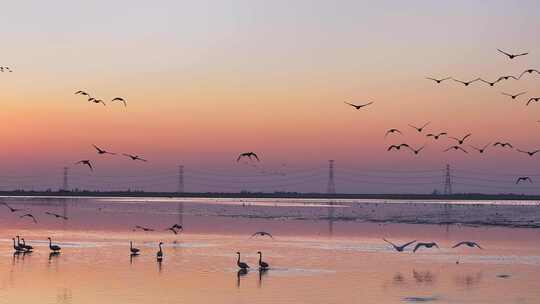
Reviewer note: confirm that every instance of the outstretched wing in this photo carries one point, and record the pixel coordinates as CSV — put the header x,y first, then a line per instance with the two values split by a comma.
x,y
407,244
509,55
458,244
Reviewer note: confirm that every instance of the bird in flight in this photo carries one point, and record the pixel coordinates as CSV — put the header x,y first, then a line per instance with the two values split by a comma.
x,y
514,96
30,216
261,233
438,80
506,77
489,82
528,71
142,228
421,128
456,148
397,147
248,155
466,83
512,56
101,151
56,215
399,248
393,131
523,179
358,107
82,93
427,245
4,69
467,243
11,208
85,162
134,157
94,100
461,140
416,151
530,153
121,100
503,145
436,136
534,99
480,150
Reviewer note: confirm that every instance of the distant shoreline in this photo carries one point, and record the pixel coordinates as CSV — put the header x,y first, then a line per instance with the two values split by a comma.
x,y
453,197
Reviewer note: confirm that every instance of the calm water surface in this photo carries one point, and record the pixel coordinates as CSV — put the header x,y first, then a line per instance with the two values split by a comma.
x,y
314,259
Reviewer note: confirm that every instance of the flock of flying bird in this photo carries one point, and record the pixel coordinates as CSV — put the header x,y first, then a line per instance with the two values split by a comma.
x,y
459,144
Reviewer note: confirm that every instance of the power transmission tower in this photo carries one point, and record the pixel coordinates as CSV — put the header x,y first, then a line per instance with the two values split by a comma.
x,y
447,181
331,188
180,179
65,185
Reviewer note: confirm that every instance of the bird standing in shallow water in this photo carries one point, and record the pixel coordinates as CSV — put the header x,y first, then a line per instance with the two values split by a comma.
x,y
54,248
262,265
242,265
133,250
159,254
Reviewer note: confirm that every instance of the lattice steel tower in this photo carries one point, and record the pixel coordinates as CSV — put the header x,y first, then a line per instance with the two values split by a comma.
x,y
331,188
65,185
447,181
180,188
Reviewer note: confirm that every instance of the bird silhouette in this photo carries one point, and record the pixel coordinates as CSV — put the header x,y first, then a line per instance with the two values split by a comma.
x,y
17,248
438,80
528,71
56,215
134,157
159,254
480,150
392,131
466,83
85,162
534,99
399,248
397,147
436,136
514,96
358,107
420,129
530,153
142,228
524,179
120,99
94,100
262,233
416,151
133,250
30,216
101,151
456,148
54,248
503,144
28,248
427,245
467,243
262,265
172,230
511,56
11,208
241,265
491,83
82,93
506,77
248,155
461,140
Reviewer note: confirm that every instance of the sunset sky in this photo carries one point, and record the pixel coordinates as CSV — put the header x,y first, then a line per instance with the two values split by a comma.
x,y
207,80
